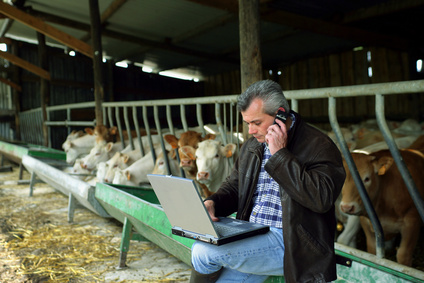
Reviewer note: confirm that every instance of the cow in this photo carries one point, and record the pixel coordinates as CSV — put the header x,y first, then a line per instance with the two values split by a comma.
x,y
78,147
104,134
348,137
99,153
136,174
213,163
418,144
186,146
389,196
72,136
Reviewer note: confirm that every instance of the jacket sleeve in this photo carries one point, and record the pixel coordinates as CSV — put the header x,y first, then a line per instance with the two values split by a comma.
x,y
226,198
314,183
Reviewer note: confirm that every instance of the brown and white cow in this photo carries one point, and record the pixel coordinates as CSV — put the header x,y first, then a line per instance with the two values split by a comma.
x,y
187,145
389,196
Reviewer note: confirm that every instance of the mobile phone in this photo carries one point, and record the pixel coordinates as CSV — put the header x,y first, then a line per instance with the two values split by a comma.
x,y
281,115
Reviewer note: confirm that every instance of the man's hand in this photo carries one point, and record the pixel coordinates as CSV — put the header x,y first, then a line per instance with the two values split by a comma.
x,y
210,206
276,138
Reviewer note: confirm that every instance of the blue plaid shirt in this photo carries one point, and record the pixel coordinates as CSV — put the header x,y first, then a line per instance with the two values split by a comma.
x,y
267,203
267,208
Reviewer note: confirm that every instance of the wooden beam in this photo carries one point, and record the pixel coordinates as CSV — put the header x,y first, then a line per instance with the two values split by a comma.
x,y
11,84
25,64
113,7
250,43
96,31
137,40
385,8
314,25
45,29
336,30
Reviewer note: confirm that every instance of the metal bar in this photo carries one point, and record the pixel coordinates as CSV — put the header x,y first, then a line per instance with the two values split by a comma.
x,y
219,122
162,143
137,130
128,127
183,117
70,123
169,119
356,177
109,113
294,105
68,118
172,131
149,135
232,122
200,119
118,123
406,175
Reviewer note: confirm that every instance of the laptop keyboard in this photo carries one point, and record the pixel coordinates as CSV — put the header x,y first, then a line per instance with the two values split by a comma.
x,y
224,229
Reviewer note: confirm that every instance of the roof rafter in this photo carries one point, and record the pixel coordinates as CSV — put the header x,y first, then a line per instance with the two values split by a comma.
x,y
45,29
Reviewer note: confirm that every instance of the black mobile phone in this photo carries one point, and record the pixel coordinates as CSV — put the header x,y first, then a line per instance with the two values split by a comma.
x,y
281,115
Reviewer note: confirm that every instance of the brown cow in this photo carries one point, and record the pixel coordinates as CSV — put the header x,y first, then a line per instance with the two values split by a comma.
x,y
187,145
389,196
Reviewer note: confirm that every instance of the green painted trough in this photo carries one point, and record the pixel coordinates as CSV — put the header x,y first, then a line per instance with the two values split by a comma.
x,y
15,151
143,218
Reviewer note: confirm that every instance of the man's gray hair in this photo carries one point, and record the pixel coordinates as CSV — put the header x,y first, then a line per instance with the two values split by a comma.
x,y
269,92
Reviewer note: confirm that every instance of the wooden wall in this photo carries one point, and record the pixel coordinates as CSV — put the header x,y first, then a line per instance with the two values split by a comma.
x,y
341,69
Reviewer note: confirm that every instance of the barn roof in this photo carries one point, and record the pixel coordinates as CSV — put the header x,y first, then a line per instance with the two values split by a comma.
x,y
201,37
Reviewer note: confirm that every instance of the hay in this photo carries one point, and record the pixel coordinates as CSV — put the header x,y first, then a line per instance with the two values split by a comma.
x,y
61,253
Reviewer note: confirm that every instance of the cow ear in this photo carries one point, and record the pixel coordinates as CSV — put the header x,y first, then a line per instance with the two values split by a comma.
x,y
128,174
172,140
113,130
383,164
125,158
230,149
89,131
209,137
109,146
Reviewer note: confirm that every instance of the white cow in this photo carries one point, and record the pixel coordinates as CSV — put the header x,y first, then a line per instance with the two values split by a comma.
x,y
100,153
213,163
72,136
78,147
136,174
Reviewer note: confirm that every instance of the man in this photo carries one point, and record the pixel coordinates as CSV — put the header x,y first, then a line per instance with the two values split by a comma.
x,y
287,176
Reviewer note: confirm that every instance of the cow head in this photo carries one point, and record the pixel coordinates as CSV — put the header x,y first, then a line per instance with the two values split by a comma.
x,y
210,158
102,133
370,167
187,145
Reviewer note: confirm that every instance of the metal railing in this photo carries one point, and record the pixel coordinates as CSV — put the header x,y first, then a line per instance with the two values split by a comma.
x,y
161,113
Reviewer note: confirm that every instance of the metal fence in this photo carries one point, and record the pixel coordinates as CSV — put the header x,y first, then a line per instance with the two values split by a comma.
x,y
221,111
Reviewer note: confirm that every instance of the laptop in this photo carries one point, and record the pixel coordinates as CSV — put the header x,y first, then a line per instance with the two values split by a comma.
x,y
189,218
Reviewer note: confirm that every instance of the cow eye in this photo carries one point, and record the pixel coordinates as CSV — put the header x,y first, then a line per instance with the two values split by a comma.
x,y
366,180
217,156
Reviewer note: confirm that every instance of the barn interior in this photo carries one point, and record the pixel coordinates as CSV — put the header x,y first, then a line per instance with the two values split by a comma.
x,y
106,52
303,45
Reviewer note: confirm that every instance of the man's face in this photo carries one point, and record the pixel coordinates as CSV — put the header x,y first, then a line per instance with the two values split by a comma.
x,y
257,120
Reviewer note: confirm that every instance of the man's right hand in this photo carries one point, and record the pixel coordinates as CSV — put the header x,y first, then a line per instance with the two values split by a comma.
x,y
210,206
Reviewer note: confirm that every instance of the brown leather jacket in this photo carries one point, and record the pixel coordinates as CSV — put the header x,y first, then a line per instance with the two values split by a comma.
x,y
310,173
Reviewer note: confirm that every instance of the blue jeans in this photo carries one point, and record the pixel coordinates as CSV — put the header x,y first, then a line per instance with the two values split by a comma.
x,y
249,260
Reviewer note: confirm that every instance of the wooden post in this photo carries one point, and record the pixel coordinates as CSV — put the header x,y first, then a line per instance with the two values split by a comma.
x,y
97,59
250,51
16,93
44,84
